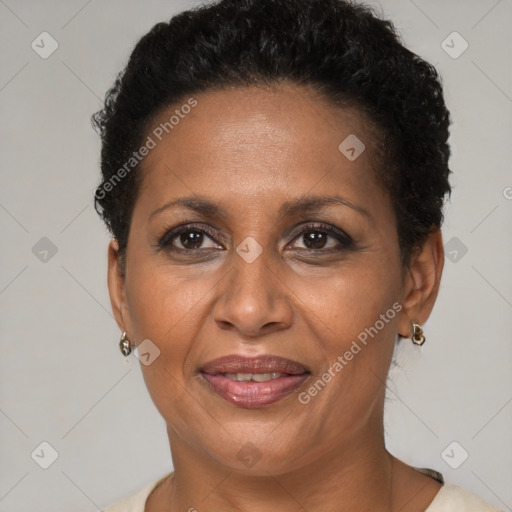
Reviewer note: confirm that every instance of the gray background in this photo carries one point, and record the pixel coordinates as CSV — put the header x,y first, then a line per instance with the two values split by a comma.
x,y
62,377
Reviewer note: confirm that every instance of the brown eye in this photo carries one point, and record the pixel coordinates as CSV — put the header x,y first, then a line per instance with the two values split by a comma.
x,y
189,238
315,239
318,237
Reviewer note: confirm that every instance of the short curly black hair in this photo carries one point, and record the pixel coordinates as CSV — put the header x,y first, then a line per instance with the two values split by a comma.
x,y
342,49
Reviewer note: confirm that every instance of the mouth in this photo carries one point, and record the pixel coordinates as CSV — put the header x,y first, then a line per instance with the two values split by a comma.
x,y
252,382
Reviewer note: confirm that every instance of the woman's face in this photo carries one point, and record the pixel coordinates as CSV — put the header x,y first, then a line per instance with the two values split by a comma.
x,y
287,246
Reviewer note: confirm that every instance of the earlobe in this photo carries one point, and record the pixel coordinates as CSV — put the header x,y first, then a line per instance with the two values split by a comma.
x,y
116,287
421,284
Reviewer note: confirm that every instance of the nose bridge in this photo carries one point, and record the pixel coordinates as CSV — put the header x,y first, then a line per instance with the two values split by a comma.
x,y
252,296
250,283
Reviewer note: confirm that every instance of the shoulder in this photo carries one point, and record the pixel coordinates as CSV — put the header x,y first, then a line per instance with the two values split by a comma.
x,y
452,498
136,502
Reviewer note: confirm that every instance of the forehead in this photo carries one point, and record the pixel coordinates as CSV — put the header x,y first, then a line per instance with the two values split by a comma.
x,y
257,143
243,118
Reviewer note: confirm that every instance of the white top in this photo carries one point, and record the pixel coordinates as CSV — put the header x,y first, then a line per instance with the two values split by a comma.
x,y
450,498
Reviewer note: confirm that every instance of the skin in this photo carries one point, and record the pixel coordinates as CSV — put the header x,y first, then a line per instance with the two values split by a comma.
x,y
248,151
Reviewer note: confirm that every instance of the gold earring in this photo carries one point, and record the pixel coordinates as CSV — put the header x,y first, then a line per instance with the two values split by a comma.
x,y
124,345
417,334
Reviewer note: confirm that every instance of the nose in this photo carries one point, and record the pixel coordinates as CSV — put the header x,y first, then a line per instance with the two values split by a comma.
x,y
253,299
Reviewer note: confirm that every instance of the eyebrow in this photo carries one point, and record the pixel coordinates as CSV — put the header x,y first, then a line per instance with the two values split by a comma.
x,y
304,204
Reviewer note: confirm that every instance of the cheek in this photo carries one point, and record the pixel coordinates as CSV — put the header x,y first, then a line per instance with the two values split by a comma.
x,y
167,306
350,300
353,316
162,298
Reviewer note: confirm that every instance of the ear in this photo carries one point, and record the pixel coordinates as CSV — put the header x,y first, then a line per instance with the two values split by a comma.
x,y
421,283
116,288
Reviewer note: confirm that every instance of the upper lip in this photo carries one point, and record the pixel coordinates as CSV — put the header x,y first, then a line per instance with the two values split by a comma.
x,y
259,364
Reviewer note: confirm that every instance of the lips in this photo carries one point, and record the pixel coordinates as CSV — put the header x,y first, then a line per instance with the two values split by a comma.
x,y
252,382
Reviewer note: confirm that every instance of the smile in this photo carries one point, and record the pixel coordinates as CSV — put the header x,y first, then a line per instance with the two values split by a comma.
x,y
253,382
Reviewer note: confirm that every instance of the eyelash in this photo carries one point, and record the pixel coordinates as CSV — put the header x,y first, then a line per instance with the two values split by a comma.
x,y
165,242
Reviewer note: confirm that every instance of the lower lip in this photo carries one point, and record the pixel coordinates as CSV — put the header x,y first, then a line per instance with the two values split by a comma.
x,y
254,394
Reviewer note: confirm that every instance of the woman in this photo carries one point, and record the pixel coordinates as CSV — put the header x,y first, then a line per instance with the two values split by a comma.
x,y
274,173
